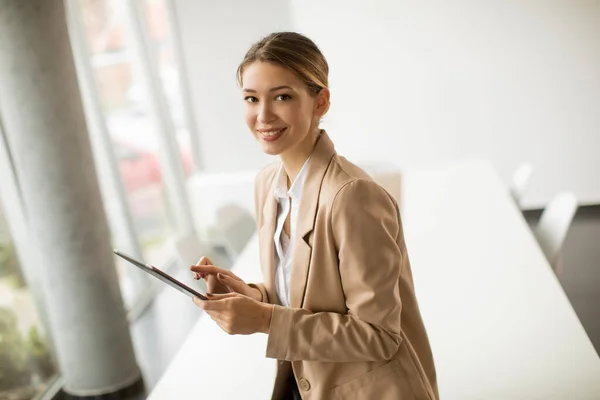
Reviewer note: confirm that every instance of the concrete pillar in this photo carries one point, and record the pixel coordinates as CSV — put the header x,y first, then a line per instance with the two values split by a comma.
x,y
45,128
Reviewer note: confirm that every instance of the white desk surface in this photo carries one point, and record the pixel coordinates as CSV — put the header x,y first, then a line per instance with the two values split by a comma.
x,y
216,366
499,323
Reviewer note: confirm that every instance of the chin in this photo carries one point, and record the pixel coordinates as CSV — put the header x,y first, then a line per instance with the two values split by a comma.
x,y
271,151
273,148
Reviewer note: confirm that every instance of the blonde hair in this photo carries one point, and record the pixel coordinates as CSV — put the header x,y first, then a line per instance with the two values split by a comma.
x,y
293,51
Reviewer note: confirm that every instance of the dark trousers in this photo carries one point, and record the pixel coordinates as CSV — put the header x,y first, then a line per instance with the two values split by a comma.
x,y
291,390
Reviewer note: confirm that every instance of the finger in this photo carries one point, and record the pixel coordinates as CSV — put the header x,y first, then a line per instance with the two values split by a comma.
x,y
229,275
207,269
198,301
213,270
221,296
214,303
204,304
236,285
204,261
198,276
213,286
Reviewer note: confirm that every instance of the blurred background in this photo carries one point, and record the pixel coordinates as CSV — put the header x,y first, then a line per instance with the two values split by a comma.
x,y
413,84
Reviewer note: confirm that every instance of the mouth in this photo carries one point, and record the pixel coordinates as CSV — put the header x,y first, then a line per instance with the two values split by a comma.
x,y
271,135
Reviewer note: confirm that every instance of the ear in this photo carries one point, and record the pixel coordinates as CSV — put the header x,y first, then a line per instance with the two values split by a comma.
x,y
322,103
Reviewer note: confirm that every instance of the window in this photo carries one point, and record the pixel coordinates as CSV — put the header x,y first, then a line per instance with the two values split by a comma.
x,y
134,137
27,364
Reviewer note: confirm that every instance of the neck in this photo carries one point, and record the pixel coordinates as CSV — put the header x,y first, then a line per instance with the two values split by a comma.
x,y
294,159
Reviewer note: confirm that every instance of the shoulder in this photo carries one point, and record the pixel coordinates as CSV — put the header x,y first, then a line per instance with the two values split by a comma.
x,y
363,195
351,190
348,182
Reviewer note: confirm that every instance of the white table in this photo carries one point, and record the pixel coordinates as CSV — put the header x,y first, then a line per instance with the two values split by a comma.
x,y
213,365
500,325
499,322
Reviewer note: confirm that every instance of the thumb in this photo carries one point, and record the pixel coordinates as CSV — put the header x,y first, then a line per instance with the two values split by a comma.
x,y
217,296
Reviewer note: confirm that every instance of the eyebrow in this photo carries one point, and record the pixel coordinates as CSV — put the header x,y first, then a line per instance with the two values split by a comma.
x,y
270,90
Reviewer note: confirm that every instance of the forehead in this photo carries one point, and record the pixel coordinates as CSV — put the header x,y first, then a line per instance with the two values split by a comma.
x,y
263,76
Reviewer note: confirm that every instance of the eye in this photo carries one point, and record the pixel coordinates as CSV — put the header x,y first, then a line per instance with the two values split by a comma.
x,y
283,97
250,99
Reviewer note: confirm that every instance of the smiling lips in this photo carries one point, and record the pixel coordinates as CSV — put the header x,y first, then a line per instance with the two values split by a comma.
x,y
270,135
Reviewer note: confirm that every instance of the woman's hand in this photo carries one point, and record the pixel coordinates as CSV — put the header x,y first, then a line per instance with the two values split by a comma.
x,y
221,281
237,314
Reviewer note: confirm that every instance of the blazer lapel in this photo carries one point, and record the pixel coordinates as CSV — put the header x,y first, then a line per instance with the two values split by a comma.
x,y
317,167
267,231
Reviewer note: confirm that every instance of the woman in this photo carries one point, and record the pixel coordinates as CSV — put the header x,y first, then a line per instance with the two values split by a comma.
x,y
337,302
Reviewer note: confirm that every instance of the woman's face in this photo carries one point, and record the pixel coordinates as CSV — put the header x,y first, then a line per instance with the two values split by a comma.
x,y
279,110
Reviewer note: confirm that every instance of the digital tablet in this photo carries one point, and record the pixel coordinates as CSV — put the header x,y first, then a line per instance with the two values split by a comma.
x,y
162,276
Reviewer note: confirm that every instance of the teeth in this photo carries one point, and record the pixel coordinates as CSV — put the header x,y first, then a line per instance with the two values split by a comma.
x,y
272,133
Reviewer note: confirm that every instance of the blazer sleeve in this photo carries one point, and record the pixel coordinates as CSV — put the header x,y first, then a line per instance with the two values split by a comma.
x,y
365,224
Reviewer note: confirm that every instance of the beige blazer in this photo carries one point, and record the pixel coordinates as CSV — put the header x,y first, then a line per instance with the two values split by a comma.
x,y
353,330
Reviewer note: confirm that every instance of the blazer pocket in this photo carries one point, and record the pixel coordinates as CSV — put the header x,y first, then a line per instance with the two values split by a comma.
x,y
371,381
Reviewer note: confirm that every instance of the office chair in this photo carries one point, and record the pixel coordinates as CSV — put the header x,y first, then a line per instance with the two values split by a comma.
x,y
519,182
553,226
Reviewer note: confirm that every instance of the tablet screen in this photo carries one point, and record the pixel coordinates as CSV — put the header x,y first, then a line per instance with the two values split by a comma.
x,y
162,276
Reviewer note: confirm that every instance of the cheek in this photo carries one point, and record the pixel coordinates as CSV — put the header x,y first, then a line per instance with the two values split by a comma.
x,y
295,113
249,116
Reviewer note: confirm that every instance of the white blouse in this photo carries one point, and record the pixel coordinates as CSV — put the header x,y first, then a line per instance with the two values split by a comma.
x,y
283,243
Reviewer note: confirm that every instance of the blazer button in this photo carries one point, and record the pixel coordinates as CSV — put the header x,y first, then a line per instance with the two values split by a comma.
x,y
304,384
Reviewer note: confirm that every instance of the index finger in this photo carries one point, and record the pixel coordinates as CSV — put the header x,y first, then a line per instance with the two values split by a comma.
x,y
204,261
209,269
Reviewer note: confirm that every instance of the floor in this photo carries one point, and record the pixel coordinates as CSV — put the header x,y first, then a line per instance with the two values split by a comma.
x,y
157,335
161,330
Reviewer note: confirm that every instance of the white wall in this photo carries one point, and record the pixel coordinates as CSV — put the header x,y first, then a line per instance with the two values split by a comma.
x,y
215,37
415,83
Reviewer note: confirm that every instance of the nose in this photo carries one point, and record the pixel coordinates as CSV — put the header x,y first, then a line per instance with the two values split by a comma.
x,y
265,114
